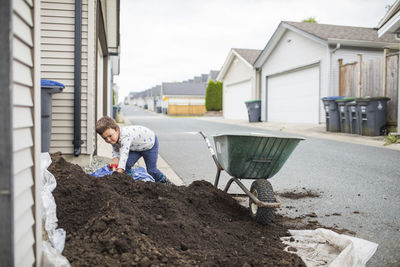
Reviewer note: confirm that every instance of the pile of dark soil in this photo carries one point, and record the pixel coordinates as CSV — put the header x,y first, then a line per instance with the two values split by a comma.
x,y
116,221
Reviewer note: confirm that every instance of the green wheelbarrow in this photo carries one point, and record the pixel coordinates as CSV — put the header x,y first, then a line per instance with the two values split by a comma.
x,y
252,156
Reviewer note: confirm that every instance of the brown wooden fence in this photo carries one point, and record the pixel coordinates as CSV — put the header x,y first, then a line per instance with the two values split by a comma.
x,y
375,77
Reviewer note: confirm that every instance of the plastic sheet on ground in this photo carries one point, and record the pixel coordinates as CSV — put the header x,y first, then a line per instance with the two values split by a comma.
x,y
51,250
138,174
323,247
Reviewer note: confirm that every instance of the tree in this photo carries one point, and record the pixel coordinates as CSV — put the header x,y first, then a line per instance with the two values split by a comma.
x,y
310,20
214,96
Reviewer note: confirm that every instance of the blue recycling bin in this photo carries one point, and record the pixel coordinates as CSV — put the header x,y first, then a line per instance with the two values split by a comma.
x,y
48,88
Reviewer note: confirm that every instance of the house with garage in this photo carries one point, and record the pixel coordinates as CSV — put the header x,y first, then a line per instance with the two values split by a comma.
x,y
39,40
240,82
183,98
299,66
390,23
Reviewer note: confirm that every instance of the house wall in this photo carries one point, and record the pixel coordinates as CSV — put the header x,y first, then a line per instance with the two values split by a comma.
x,y
239,72
293,51
57,63
25,147
348,55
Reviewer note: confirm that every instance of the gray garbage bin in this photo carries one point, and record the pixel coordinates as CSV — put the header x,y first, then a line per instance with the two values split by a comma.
x,y
165,110
344,116
48,88
114,112
254,110
354,120
331,113
159,109
372,115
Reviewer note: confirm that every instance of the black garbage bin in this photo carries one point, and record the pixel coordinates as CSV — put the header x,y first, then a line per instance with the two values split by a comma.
x,y
344,116
165,110
372,115
354,117
48,88
159,109
254,110
331,113
115,112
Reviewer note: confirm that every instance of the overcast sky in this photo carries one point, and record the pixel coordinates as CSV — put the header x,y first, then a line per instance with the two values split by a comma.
x,y
174,40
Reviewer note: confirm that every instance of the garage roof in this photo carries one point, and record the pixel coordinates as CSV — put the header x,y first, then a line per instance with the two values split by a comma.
x,y
248,56
327,34
184,89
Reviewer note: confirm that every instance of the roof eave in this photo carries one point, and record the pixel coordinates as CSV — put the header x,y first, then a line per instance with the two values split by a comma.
x,y
225,66
390,26
366,44
389,14
274,40
228,62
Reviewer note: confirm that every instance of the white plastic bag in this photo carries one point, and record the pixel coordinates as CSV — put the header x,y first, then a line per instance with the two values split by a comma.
x,y
52,250
52,258
323,247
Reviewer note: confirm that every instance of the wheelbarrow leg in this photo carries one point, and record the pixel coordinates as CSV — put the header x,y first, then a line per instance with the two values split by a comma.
x,y
250,195
217,177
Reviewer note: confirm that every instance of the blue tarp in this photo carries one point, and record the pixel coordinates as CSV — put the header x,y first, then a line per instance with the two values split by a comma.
x,y
138,174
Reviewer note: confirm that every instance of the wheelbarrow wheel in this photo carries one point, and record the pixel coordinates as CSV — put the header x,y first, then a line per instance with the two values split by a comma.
x,y
262,189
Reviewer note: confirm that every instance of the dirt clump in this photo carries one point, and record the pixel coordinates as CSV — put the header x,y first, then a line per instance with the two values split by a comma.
x,y
298,195
116,221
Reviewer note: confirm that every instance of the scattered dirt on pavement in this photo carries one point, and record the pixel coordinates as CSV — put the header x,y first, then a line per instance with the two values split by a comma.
x,y
312,214
298,195
116,221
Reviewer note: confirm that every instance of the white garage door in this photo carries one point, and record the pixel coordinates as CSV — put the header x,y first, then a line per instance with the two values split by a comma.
x,y
234,97
294,96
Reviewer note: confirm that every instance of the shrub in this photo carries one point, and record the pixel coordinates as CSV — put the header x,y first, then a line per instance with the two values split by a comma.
x,y
214,96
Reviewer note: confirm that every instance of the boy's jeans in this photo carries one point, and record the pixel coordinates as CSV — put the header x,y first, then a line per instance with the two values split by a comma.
x,y
150,158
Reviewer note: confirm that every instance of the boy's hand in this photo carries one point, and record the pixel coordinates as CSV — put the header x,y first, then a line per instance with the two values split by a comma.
x,y
113,167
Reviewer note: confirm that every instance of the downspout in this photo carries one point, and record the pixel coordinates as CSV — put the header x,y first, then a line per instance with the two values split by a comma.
x,y
7,224
397,36
77,142
331,85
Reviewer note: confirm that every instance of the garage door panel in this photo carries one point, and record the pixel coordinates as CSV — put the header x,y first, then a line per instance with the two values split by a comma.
x,y
234,97
294,96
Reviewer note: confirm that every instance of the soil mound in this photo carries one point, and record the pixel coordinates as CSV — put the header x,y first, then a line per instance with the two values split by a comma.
x,y
116,221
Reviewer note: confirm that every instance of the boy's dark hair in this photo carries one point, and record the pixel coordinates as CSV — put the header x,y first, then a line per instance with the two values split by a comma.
x,y
104,123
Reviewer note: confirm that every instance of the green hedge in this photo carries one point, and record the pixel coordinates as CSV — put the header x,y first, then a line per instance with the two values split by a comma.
x,y
214,96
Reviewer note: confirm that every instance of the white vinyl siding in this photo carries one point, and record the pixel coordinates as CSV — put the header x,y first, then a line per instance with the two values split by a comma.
x,y
294,51
23,151
238,86
57,63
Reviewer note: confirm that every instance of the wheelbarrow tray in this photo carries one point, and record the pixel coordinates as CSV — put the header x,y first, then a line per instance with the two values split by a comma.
x,y
253,156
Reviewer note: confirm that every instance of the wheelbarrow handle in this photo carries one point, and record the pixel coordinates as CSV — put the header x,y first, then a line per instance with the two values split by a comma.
x,y
214,156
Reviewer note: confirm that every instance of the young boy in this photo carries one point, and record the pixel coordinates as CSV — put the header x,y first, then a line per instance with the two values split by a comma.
x,y
129,143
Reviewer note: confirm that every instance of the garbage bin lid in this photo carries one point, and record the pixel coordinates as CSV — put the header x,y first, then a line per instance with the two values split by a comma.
x,y
252,101
373,98
345,99
332,97
50,84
